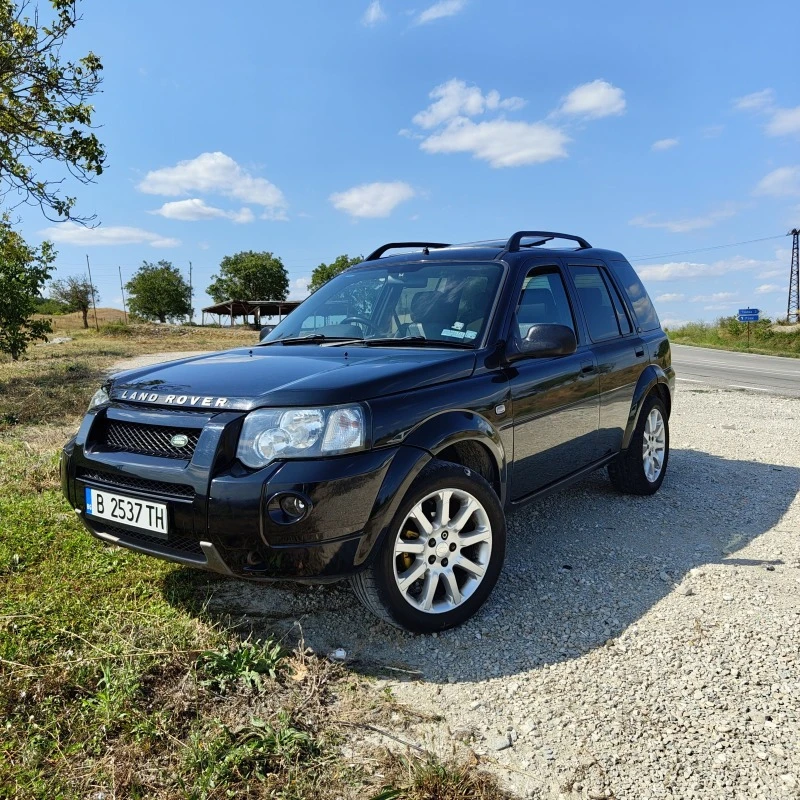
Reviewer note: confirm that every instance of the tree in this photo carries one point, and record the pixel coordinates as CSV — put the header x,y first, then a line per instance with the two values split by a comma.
x,y
250,276
76,293
324,272
159,292
45,113
24,270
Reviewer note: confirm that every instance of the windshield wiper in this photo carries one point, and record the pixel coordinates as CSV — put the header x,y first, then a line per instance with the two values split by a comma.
x,y
314,338
411,341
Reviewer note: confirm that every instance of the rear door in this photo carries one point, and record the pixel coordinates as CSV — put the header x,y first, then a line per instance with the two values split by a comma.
x,y
620,352
554,400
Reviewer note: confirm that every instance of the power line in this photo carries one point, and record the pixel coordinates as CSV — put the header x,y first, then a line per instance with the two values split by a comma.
x,y
704,249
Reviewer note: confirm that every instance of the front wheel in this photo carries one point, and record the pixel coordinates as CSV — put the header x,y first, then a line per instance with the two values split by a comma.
x,y
641,468
442,554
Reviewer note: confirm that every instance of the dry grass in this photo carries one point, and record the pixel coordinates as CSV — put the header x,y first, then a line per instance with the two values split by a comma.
x,y
63,323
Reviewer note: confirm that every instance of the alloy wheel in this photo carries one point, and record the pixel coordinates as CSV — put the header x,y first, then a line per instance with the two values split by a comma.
x,y
442,551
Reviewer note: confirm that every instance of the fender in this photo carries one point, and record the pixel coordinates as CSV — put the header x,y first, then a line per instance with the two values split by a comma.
x,y
451,427
651,375
421,445
406,465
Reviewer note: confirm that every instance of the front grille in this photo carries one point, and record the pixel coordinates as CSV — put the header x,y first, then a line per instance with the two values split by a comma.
x,y
148,440
132,482
177,545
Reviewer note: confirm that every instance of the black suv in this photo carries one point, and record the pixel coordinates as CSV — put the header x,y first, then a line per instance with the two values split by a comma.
x,y
379,432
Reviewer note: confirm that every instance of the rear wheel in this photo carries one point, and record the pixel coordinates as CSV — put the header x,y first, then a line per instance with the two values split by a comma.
x,y
442,555
641,468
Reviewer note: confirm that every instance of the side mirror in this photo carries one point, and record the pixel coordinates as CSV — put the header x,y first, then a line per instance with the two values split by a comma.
x,y
544,341
265,331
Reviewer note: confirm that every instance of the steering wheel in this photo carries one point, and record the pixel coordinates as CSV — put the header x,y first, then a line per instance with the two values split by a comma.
x,y
361,321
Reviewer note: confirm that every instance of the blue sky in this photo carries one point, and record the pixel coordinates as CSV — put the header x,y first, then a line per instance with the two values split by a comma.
x,y
317,128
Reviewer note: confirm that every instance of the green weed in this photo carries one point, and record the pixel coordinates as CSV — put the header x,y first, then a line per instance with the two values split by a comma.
x,y
243,664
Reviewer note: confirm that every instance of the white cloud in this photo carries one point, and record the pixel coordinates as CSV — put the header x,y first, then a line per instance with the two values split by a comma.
x,y
781,182
195,209
373,15
712,131
687,269
784,122
455,99
594,100
444,8
673,322
216,173
372,199
500,142
769,288
687,223
670,297
664,144
757,101
717,297
299,288
68,233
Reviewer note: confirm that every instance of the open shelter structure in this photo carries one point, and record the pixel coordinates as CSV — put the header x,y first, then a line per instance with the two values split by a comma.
x,y
258,309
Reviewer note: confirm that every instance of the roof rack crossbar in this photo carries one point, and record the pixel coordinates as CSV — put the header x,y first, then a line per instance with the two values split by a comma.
x,y
513,244
376,254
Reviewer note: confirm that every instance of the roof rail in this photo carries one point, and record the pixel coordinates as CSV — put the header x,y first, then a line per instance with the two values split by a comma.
x,y
376,254
513,244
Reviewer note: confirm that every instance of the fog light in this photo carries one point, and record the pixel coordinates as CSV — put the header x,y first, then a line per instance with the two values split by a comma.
x,y
293,506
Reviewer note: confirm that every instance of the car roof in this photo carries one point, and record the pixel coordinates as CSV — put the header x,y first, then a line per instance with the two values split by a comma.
x,y
491,250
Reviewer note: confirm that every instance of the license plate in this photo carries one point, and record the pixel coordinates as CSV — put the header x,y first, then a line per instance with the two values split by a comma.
x,y
130,511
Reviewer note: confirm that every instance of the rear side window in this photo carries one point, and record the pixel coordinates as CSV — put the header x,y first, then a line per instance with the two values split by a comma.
x,y
601,316
634,288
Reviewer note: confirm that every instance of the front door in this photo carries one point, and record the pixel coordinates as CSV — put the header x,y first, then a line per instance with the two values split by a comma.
x,y
554,400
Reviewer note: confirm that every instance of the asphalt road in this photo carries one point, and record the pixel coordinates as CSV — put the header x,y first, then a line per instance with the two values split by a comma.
x,y
729,370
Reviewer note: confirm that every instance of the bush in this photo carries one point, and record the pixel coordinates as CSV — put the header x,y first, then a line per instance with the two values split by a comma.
x,y
117,328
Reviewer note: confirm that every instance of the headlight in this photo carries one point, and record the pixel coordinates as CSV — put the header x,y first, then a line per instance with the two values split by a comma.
x,y
272,433
100,398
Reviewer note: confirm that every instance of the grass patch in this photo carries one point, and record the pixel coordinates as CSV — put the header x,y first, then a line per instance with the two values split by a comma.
x,y
728,333
115,682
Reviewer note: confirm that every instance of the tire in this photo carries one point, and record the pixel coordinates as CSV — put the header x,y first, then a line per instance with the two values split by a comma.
x,y
641,468
423,588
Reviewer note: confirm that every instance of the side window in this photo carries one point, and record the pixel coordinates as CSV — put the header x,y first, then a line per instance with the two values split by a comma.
x,y
622,315
601,316
642,306
544,300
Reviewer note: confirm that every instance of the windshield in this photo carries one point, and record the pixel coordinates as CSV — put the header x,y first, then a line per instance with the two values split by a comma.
x,y
437,303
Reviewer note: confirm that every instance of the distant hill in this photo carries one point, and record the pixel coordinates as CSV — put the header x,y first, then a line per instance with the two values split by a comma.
x,y
74,321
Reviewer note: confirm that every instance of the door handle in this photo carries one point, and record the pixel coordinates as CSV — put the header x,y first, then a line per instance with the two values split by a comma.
x,y
639,352
587,366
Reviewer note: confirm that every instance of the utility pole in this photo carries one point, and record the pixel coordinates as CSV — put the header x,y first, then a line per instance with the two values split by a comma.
x,y
191,296
94,302
122,287
793,306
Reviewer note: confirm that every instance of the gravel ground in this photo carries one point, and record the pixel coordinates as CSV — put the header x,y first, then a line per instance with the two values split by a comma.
x,y
633,647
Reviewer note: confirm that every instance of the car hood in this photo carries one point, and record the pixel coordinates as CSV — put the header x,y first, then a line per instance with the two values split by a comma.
x,y
292,375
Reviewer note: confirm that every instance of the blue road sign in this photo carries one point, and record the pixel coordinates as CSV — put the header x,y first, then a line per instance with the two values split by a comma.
x,y
747,317
749,311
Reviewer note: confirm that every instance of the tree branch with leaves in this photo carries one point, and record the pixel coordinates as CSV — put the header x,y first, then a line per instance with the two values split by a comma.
x,y
45,109
24,270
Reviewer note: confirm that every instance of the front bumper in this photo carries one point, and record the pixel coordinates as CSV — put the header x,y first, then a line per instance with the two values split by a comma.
x,y
221,516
